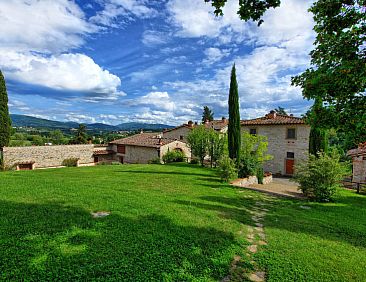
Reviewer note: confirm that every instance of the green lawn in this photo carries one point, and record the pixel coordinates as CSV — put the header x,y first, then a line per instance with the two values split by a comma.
x,y
167,223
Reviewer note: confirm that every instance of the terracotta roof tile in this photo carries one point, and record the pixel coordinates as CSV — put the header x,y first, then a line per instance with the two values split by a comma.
x,y
273,119
144,140
103,152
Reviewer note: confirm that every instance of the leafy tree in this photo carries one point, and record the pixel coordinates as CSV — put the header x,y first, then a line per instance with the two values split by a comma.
x,y
248,9
207,114
216,143
197,140
5,122
234,119
81,136
57,137
337,75
318,141
227,168
281,111
319,177
253,154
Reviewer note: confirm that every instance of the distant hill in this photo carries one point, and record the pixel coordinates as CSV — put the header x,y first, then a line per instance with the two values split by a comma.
x,y
40,123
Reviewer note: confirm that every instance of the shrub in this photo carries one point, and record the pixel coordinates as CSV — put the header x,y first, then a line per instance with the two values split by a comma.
x,y
155,161
173,157
260,175
226,168
194,161
71,162
320,176
248,166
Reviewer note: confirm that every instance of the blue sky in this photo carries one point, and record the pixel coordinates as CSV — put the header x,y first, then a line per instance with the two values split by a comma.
x,y
115,61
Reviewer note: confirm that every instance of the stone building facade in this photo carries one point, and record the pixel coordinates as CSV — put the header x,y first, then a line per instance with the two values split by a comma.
x,y
288,140
359,163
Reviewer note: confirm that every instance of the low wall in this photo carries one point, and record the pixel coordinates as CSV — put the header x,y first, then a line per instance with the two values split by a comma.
x,y
242,182
48,156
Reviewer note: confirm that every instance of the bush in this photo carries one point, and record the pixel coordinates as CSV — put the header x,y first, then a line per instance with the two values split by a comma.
x,y
173,157
194,161
248,166
71,162
155,161
320,176
260,175
226,168
108,163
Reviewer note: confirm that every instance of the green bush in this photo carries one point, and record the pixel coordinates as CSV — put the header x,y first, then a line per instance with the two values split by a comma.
x,y
174,156
226,168
260,175
320,176
194,161
71,162
248,166
155,161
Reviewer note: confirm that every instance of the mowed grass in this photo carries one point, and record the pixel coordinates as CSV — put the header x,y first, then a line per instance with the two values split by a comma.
x,y
168,223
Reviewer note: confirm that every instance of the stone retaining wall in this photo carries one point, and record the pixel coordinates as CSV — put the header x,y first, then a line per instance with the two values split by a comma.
x,y
48,156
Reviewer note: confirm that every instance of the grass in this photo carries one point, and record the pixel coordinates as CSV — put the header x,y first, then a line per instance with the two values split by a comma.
x,y
167,223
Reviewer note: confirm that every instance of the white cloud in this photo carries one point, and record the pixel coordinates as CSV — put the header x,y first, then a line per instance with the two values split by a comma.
x,y
80,118
151,38
73,72
156,100
113,10
42,26
214,55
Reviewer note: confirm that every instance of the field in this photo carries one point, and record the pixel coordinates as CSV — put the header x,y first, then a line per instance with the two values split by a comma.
x,y
168,223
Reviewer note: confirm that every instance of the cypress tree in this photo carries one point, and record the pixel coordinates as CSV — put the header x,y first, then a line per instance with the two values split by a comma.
x,y
234,138
318,139
5,122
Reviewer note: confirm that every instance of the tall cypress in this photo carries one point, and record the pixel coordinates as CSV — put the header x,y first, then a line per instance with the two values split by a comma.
x,y
234,138
5,122
318,139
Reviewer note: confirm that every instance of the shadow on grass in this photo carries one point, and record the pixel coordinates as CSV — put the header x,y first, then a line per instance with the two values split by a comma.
x,y
45,242
163,173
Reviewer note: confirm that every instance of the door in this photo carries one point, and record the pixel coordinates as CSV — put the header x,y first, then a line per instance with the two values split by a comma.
x,y
290,166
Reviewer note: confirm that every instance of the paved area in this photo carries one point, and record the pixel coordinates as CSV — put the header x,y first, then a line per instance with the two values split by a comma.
x,y
279,187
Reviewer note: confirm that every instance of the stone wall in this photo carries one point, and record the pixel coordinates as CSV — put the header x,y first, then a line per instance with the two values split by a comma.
x,y
48,156
139,155
359,168
176,145
278,145
177,133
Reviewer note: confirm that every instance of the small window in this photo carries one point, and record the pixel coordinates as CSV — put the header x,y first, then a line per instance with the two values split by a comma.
x,y
181,137
290,155
121,149
253,131
291,133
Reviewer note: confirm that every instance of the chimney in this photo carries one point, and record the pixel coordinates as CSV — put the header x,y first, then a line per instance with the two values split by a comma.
x,y
207,121
141,131
272,115
223,119
195,123
190,123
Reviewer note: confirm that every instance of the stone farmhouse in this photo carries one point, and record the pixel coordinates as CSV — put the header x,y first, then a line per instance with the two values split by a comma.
x,y
359,163
288,140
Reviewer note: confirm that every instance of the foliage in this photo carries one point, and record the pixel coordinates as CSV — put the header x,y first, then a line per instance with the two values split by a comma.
x,y
198,142
81,136
207,114
226,169
216,144
70,162
108,163
234,119
57,137
248,9
253,154
155,161
194,161
281,111
174,156
318,140
320,176
260,175
5,122
337,75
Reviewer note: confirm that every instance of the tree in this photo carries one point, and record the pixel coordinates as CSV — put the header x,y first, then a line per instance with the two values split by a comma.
x,y
337,75
81,137
281,111
197,140
216,143
207,114
234,119
57,137
5,122
248,9
318,140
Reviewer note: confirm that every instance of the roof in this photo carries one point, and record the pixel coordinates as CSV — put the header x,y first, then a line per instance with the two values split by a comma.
x,y
103,152
180,126
360,151
152,140
274,119
215,124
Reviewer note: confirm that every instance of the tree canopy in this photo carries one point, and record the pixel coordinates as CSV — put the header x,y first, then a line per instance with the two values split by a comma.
x,y
281,111
207,114
5,122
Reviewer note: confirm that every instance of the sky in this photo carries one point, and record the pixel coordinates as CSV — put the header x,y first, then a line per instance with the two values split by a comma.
x,y
153,61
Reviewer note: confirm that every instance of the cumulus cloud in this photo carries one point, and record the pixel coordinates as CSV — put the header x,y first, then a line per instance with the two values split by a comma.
x,y
151,38
72,72
42,26
214,55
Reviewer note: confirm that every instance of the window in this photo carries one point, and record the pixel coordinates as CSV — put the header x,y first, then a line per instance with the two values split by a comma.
x,y
291,133
121,149
181,137
253,131
290,155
